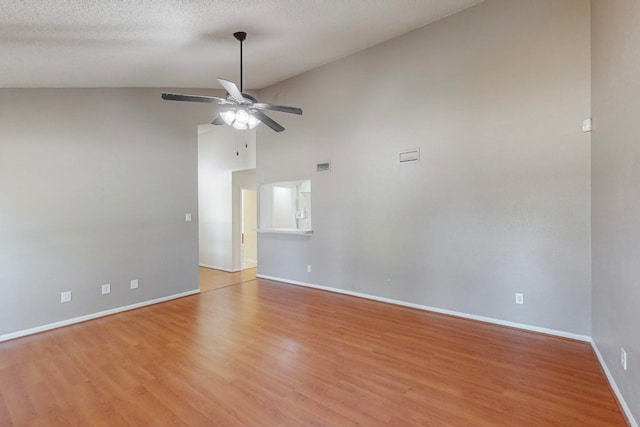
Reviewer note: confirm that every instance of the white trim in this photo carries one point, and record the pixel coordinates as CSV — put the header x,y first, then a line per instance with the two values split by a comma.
x,y
219,268
300,232
614,387
501,322
92,316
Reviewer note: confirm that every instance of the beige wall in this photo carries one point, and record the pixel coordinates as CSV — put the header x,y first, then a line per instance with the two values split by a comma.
x,y
616,190
494,98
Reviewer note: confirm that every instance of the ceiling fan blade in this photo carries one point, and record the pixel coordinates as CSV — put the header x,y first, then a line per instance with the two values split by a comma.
x,y
268,121
283,108
217,121
194,98
232,89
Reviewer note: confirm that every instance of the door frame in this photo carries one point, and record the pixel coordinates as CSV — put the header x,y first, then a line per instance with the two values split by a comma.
x,y
242,230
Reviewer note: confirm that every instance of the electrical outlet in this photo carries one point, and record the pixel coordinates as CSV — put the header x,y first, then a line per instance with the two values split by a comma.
x,y
134,284
309,268
65,296
623,358
187,217
106,289
519,298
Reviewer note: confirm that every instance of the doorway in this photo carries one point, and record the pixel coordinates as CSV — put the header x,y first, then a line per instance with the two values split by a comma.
x,y
226,165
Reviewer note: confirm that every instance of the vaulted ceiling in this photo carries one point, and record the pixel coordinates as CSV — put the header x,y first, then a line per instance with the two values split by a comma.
x,y
177,43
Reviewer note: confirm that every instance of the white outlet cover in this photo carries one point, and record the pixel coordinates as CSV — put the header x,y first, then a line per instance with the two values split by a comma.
x,y
187,217
309,268
623,358
106,289
134,284
65,296
519,298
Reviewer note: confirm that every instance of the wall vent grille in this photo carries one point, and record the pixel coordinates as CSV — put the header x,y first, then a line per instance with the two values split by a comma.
x,y
323,167
409,156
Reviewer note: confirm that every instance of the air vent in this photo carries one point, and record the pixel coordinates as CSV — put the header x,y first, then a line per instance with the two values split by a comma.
x,y
323,167
410,156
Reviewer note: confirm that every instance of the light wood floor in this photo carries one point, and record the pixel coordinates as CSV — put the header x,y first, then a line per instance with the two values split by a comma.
x,y
263,353
211,279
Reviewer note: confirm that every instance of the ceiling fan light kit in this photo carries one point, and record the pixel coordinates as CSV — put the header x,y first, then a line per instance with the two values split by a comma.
x,y
239,119
239,110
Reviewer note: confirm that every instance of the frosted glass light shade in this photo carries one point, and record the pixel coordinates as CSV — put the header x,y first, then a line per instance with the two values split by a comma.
x,y
228,117
253,121
240,119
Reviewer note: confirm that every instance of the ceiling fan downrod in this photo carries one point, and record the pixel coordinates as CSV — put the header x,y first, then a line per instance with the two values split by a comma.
x,y
240,36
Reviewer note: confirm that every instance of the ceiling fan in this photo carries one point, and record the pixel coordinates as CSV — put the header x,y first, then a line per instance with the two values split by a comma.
x,y
239,109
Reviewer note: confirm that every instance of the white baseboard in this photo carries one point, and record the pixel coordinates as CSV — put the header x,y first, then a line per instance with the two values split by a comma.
x,y
43,328
554,332
614,387
219,268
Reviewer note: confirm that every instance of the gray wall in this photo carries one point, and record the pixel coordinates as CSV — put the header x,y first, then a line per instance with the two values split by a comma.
x,y
494,98
616,190
94,185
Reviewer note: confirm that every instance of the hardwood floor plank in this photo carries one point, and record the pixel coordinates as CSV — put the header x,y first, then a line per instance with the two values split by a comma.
x,y
264,353
309,412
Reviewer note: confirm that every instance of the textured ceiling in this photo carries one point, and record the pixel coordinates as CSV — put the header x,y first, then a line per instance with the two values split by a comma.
x,y
178,43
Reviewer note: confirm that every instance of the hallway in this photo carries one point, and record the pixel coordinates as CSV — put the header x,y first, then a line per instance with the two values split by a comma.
x,y
211,279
